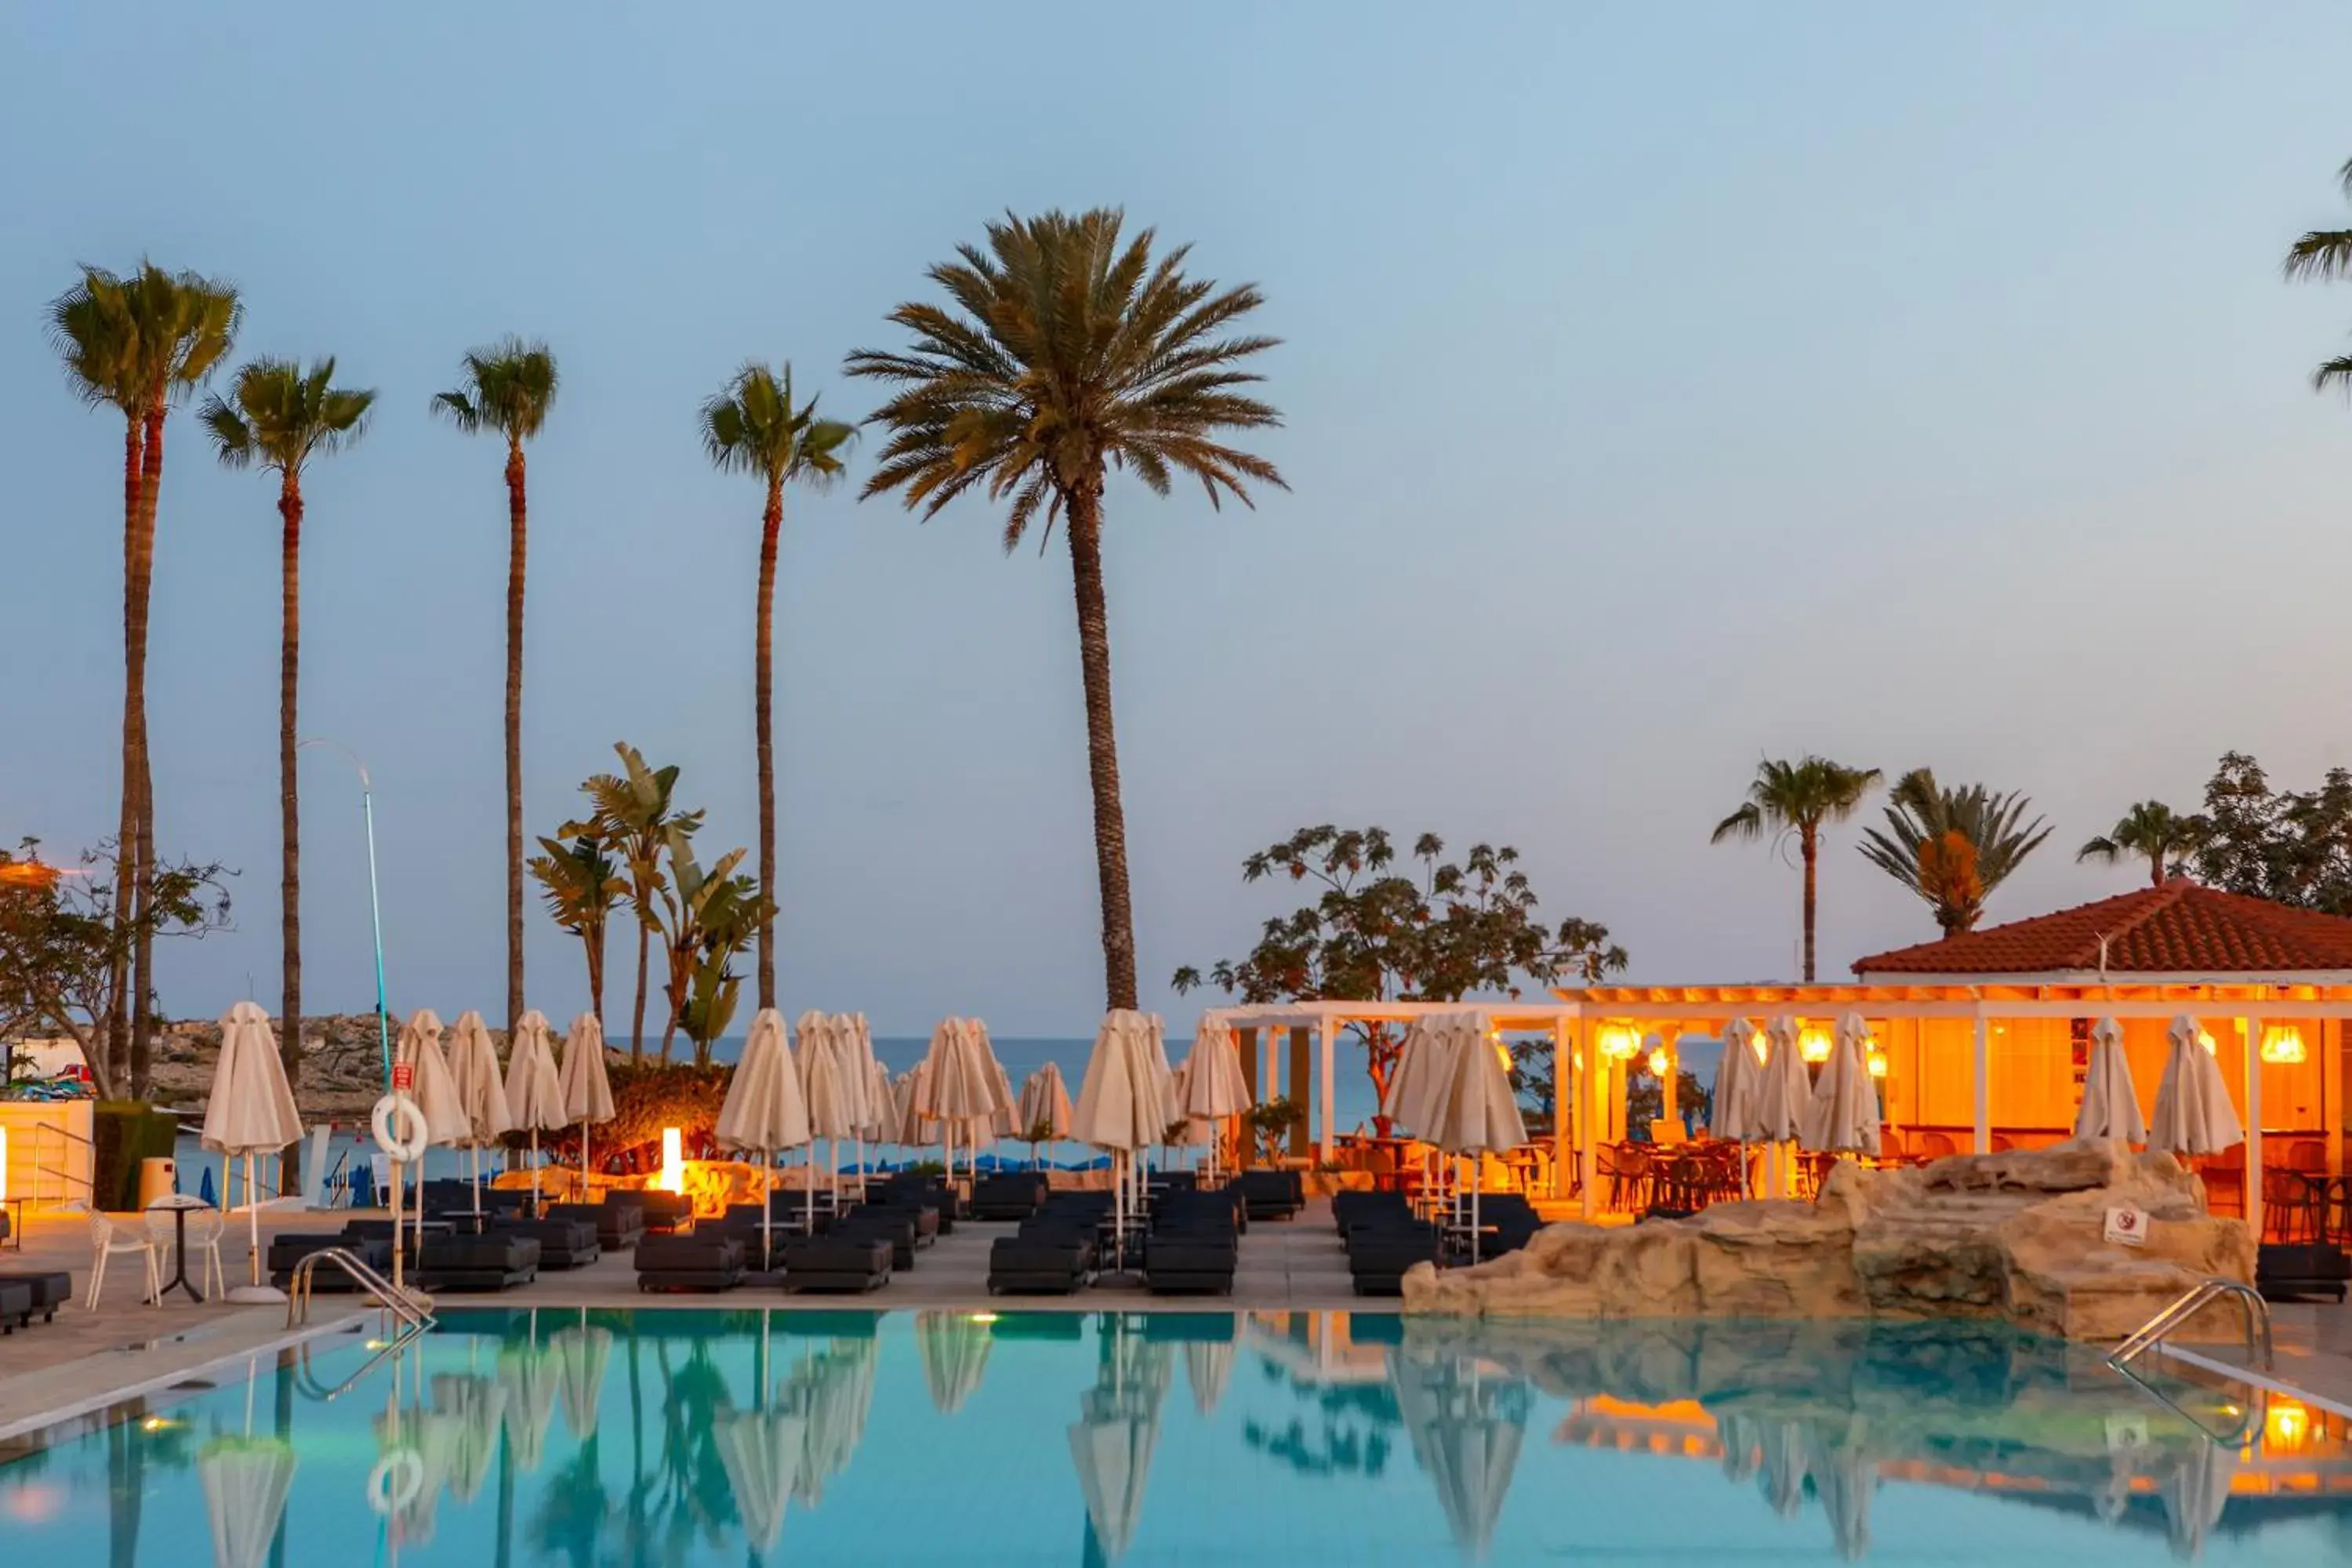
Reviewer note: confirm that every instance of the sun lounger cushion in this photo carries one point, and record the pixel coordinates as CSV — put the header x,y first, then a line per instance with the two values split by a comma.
x,y
689,1263
15,1307
1379,1259
618,1225
51,1289
563,1243
1189,1263
1008,1196
1049,1260
497,1262
836,1263
2284,1272
290,1248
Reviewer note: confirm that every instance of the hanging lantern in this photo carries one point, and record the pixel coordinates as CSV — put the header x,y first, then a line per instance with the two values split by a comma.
x,y
1658,1063
1876,1063
1618,1043
1814,1043
2283,1046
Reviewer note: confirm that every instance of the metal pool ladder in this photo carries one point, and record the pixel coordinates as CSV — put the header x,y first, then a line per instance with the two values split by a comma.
x,y
2157,1328
413,1315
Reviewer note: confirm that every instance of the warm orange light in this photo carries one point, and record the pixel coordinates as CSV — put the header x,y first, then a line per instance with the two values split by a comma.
x,y
1658,1062
4,1158
29,874
1876,1062
2206,1040
2283,1046
1814,1044
2286,1426
673,1166
1756,1043
1619,1042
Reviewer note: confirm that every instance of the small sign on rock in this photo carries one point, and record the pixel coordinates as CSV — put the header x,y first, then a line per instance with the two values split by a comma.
x,y
2127,1225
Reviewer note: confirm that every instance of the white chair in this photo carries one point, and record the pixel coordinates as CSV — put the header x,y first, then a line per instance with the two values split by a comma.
x,y
205,1227
107,1238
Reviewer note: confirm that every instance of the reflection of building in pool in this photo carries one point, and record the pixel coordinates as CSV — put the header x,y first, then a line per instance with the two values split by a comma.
x,y
1985,1036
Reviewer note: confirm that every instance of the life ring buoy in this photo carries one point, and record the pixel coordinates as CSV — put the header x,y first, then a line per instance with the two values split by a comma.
x,y
397,1480
400,1129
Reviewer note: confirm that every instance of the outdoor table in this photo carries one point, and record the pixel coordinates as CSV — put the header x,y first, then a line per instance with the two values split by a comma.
x,y
179,1206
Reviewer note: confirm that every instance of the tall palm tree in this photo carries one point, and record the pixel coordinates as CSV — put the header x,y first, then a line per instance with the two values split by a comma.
x,y
138,344
752,427
1952,846
1063,351
1797,799
632,810
279,417
506,390
2323,256
2154,830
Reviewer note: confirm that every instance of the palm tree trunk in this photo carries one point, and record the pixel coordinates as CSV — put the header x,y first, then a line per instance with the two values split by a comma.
x,y
1085,530
117,1040
637,1028
517,536
1810,841
142,951
289,826
2155,870
771,523
594,940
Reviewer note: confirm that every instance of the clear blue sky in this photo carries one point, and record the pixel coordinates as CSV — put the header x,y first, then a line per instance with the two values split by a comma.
x,y
1665,386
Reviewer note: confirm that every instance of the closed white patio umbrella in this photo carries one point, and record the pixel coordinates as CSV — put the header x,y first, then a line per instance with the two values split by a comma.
x,y
581,1352
760,1451
250,1113
1419,1083
1468,1435
1479,1114
586,1093
1214,1085
534,1088
2110,1099
960,1084
954,1349
1122,1105
1783,1091
835,1390
1044,1104
829,1100
1732,1112
763,1111
1112,1442
481,1091
2193,1113
855,1041
246,1481
1842,1116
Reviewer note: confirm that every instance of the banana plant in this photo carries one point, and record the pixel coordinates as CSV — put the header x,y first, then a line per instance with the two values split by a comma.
x,y
633,809
581,885
707,917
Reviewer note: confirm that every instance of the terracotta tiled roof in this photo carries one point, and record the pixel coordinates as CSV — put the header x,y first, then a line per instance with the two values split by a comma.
x,y
2179,927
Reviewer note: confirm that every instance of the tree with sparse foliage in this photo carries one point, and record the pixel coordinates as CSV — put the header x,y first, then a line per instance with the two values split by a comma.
x,y
753,427
1067,349
62,936
278,416
2152,831
1796,800
2292,846
1375,932
1952,846
505,390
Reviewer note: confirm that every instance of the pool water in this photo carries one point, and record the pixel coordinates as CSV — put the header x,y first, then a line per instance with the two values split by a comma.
x,y
677,1437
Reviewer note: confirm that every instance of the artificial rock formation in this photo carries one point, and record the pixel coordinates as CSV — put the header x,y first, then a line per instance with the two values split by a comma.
x,y
2019,1236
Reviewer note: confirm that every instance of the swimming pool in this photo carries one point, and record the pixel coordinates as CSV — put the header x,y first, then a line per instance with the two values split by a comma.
x,y
678,1436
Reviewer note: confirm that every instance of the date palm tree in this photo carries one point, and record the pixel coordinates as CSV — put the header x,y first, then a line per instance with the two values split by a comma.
x,y
1796,800
752,427
1952,846
138,344
1063,351
2325,256
2154,830
506,390
278,416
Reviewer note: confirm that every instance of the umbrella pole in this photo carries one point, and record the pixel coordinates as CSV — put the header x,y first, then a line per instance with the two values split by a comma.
x,y
767,1205
253,1226
534,1171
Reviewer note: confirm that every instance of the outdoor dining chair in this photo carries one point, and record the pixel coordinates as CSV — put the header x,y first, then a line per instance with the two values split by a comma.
x,y
107,1239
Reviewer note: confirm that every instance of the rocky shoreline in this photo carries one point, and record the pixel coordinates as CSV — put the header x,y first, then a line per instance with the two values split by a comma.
x,y
342,1065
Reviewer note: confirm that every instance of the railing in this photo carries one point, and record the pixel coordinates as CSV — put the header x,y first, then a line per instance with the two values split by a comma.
x,y
307,1381
411,1311
2153,1332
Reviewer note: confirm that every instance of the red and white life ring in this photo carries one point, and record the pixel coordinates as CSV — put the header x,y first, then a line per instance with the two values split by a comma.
x,y
400,1129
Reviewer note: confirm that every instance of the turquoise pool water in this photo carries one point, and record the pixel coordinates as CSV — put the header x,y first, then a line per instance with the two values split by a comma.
x,y
682,1437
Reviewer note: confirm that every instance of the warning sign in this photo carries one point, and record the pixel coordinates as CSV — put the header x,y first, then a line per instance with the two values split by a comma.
x,y
2127,1226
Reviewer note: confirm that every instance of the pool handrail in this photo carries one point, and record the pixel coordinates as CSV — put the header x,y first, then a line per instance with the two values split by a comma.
x,y
405,1306
2259,1346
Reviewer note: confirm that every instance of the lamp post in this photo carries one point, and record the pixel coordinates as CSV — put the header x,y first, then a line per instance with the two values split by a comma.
x,y
375,907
